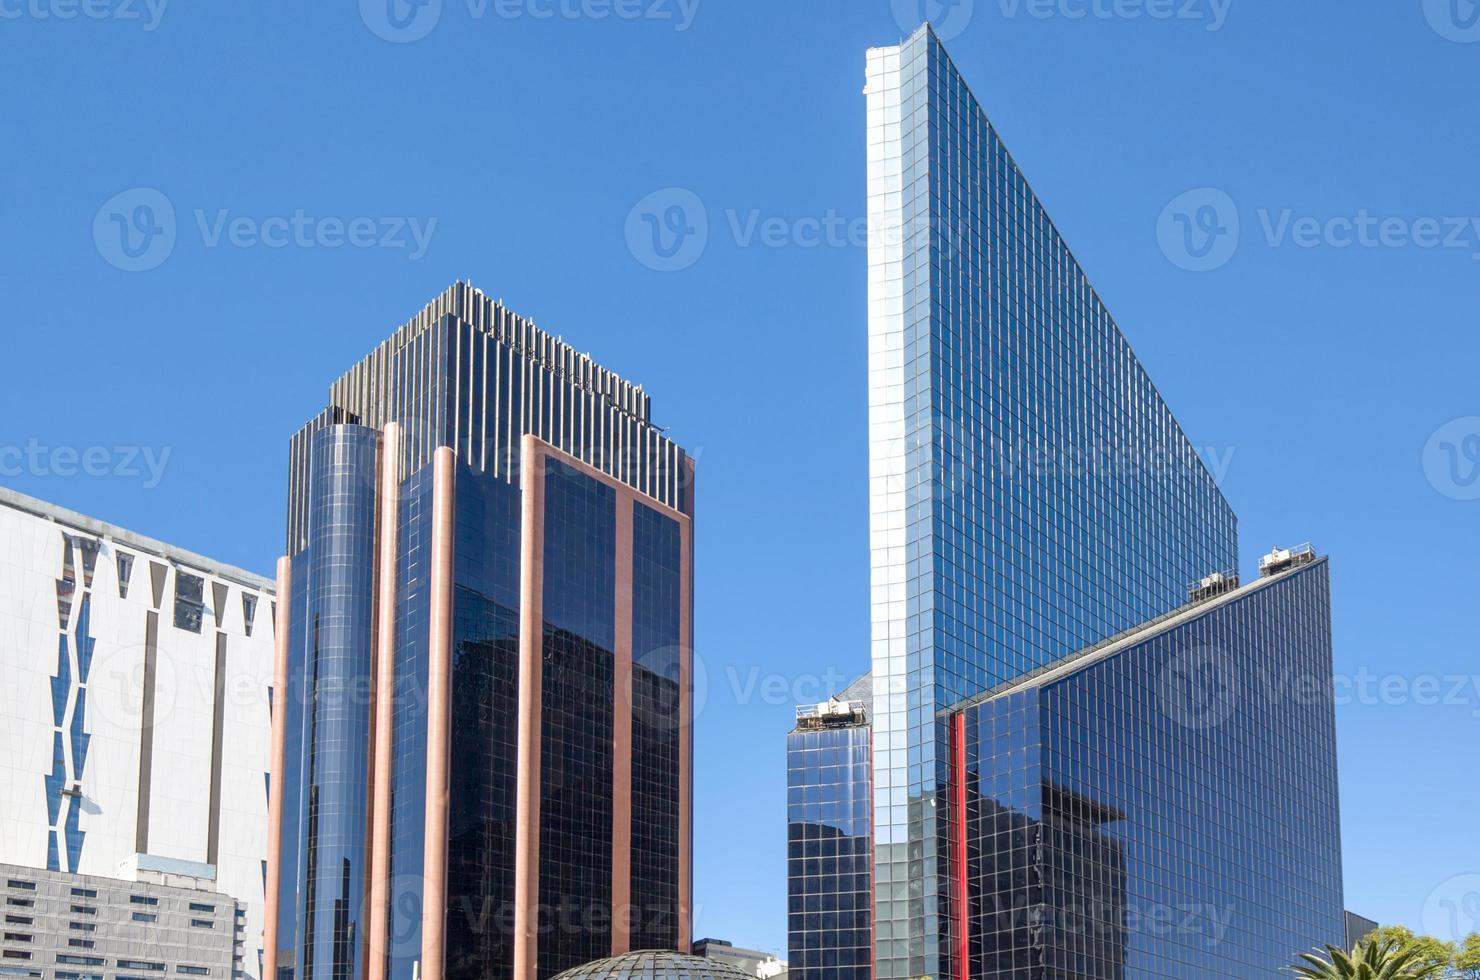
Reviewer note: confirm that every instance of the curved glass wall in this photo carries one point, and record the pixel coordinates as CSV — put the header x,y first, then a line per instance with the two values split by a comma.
x,y
335,703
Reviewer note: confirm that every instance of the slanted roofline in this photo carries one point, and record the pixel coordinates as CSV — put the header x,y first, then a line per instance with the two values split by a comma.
x,y
1076,662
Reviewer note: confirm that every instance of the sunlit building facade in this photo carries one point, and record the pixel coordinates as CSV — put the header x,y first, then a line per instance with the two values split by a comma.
x,y
1031,494
133,744
486,748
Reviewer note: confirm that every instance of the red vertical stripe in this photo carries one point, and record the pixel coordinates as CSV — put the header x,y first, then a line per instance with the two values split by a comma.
x,y
963,925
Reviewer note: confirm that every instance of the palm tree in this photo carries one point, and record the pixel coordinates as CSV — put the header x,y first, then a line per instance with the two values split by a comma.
x,y
1371,960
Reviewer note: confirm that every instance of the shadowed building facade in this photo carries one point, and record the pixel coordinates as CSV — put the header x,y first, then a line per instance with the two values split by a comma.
x,y
486,747
1151,807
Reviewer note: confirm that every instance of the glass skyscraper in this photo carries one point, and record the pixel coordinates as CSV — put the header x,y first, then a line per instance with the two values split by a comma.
x,y
829,762
1031,495
483,725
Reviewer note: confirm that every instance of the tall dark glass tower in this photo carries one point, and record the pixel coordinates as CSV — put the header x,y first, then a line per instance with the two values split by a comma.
x,y
483,721
829,774
1031,495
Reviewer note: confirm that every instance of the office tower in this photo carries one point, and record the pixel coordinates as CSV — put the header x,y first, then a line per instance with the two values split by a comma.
x,y
1031,494
829,843
133,733
1143,809
486,751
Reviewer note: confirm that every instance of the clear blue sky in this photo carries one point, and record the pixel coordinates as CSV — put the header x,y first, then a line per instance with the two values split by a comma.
x,y
1325,370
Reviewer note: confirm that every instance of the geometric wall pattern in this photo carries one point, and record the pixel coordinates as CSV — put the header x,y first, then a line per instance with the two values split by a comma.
x,y
75,647
136,717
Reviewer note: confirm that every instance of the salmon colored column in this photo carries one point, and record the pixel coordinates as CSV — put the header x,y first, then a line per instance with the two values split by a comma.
x,y
385,701
279,763
531,700
622,736
439,718
686,738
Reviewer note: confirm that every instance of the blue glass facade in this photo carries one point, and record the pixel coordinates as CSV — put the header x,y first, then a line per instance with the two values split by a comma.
x,y
1156,809
657,727
1031,494
829,770
485,695
577,754
335,706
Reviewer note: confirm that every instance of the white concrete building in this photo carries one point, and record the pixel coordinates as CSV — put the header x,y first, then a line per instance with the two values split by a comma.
x,y
135,718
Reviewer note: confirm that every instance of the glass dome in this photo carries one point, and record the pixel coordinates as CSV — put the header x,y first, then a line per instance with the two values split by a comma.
x,y
656,965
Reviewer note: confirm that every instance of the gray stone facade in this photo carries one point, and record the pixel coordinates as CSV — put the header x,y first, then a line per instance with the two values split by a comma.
x,y
60,926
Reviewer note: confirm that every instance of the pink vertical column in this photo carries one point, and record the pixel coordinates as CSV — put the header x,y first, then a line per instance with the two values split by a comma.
x,y
439,718
531,699
622,734
279,763
686,732
385,702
